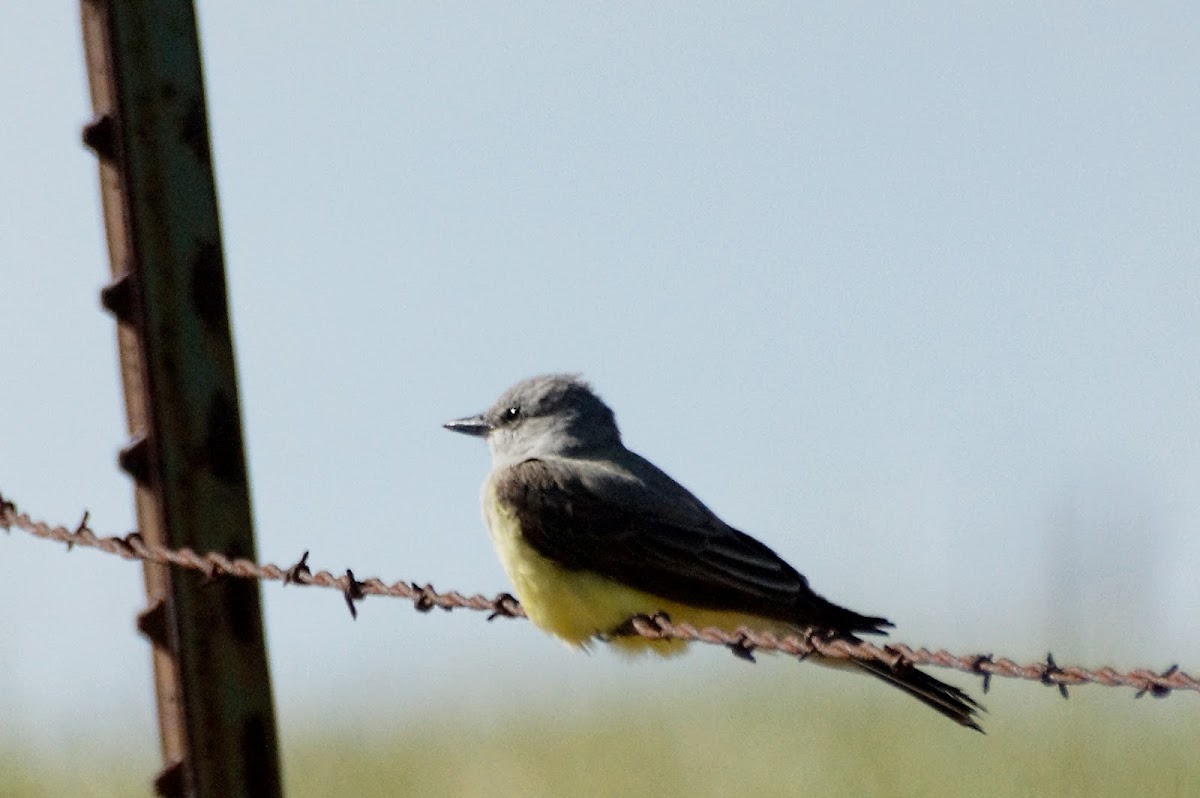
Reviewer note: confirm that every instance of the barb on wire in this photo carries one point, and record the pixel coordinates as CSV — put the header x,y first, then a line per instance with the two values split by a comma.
x,y
743,642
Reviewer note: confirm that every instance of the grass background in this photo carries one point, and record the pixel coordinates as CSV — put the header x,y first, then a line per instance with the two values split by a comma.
x,y
777,736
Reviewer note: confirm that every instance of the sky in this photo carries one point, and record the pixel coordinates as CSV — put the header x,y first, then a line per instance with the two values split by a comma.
x,y
908,294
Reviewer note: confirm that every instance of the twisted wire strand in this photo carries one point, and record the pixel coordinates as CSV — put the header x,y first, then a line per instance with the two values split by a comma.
x,y
743,641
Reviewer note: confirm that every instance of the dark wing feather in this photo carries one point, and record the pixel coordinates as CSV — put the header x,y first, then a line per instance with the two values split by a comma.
x,y
707,564
702,563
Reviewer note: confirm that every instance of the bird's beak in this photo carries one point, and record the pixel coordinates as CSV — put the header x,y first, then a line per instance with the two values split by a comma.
x,y
472,425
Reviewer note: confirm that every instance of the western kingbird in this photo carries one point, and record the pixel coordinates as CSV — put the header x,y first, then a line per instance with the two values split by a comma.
x,y
591,535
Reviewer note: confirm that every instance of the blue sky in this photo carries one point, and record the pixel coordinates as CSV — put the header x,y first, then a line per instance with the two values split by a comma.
x,y
909,295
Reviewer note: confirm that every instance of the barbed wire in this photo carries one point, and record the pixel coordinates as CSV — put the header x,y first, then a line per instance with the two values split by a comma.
x,y
743,642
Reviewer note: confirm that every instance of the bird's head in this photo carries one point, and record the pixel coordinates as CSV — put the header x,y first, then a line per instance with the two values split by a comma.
x,y
548,415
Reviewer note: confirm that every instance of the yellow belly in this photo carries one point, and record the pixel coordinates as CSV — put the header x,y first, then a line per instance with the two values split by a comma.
x,y
576,606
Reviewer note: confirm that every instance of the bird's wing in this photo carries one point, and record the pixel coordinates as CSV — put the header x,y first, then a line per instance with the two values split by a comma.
x,y
590,516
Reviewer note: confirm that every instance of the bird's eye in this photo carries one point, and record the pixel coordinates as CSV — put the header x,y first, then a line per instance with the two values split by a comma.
x,y
512,413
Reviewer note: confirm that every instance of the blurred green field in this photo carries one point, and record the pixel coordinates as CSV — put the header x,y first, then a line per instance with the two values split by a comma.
x,y
775,739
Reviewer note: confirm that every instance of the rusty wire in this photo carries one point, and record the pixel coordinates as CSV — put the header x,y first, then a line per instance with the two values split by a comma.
x,y
743,642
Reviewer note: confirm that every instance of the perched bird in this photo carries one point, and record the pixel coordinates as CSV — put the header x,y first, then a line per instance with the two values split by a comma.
x,y
592,535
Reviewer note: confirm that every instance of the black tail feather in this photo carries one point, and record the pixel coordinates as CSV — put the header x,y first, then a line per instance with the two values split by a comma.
x,y
945,698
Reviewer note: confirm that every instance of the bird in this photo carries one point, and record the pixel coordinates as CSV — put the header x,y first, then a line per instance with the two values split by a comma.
x,y
592,535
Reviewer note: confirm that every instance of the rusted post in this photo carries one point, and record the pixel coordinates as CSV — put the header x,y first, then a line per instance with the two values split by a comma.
x,y
186,457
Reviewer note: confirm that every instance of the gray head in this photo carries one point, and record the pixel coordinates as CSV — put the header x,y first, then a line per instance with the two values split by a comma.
x,y
554,414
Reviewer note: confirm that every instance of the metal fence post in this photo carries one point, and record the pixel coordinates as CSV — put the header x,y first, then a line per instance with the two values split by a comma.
x,y
186,456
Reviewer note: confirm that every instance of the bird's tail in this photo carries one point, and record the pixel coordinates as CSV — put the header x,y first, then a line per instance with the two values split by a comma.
x,y
945,698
